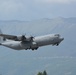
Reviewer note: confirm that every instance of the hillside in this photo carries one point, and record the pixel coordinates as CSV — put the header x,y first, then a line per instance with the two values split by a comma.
x,y
59,60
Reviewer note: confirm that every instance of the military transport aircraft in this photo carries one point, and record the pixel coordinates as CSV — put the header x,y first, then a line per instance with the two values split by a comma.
x,y
29,42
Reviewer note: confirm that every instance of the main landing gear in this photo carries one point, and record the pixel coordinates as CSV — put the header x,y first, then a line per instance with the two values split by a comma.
x,y
32,48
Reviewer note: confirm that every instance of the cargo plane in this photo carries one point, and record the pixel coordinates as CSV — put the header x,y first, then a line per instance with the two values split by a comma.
x,y
24,42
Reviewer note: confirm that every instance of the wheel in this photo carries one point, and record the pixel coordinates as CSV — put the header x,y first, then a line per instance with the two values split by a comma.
x,y
32,49
57,44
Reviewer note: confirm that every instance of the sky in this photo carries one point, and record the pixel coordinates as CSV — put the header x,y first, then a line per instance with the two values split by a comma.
x,y
26,10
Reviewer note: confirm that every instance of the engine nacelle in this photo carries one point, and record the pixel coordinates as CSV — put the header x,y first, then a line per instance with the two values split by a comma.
x,y
24,38
29,38
20,38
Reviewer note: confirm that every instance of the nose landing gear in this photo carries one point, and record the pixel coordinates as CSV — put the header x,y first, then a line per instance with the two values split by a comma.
x,y
57,44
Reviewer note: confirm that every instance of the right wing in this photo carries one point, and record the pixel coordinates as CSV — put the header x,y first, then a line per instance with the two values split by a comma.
x,y
10,37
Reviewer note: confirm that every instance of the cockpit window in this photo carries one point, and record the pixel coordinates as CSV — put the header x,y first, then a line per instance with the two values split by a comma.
x,y
57,35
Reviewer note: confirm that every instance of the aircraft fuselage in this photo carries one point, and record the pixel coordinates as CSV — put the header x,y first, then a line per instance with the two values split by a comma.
x,y
37,42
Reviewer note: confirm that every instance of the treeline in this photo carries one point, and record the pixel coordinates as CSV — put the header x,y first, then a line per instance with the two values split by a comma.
x,y
42,73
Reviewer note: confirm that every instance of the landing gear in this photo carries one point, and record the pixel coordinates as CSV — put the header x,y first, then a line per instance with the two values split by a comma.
x,y
32,48
35,48
57,44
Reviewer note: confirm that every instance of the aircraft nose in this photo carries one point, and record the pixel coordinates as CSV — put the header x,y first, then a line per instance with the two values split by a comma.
x,y
61,39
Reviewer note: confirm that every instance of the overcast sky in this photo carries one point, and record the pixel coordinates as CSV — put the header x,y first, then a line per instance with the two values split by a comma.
x,y
36,9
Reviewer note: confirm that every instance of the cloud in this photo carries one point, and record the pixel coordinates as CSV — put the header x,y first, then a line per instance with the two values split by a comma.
x,y
56,1
36,9
9,6
10,9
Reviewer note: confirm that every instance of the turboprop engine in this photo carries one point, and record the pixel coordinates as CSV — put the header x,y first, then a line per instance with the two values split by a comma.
x,y
24,38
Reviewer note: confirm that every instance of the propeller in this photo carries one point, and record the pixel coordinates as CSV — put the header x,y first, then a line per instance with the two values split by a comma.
x,y
32,37
23,37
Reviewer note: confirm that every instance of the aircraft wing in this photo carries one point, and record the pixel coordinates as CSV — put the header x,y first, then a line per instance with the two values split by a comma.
x,y
10,37
17,38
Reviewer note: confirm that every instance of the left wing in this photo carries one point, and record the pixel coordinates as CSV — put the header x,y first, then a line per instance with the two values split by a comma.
x,y
17,38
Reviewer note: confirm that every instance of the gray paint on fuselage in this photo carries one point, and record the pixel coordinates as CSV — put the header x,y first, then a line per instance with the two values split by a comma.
x,y
35,43
13,44
45,40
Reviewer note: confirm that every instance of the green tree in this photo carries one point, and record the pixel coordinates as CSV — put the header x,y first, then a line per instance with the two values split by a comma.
x,y
39,73
44,72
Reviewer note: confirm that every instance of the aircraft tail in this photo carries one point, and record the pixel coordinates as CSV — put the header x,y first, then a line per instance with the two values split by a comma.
x,y
2,39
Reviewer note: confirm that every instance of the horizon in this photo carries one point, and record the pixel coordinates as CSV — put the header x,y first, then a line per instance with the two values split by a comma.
x,y
39,19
